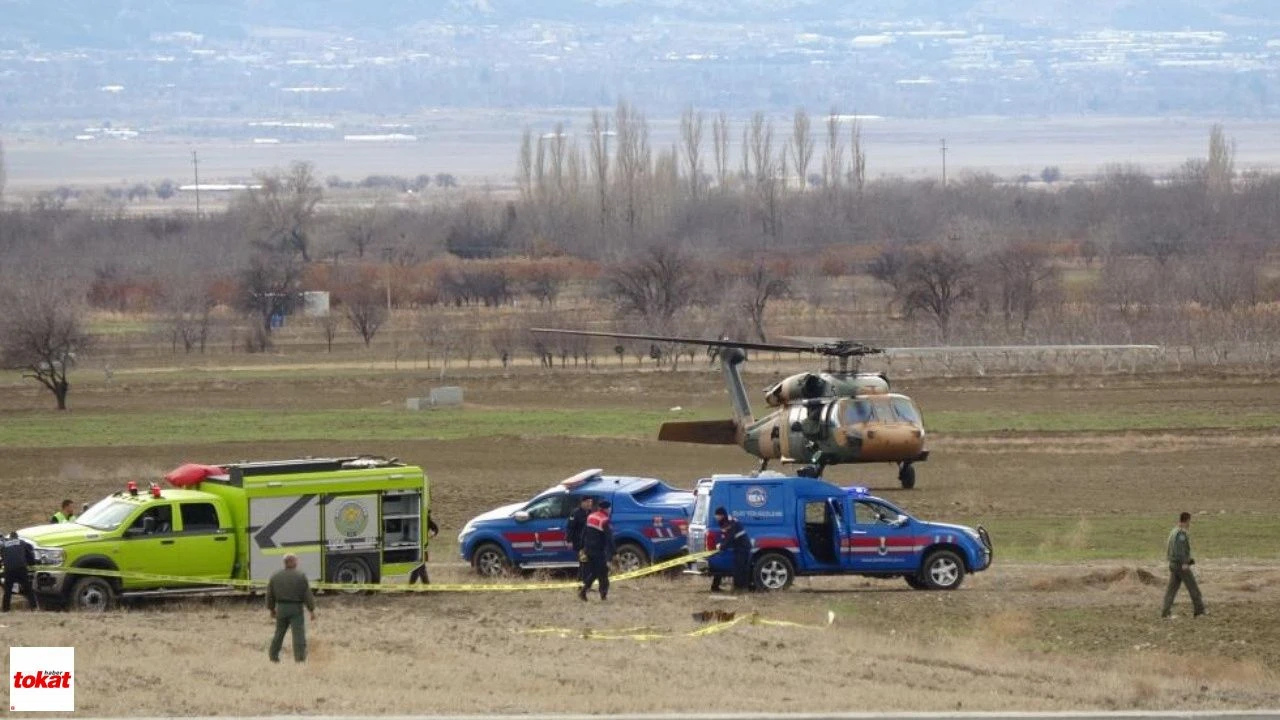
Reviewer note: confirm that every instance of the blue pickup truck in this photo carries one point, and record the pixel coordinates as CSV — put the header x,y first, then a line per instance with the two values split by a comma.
x,y
805,526
650,523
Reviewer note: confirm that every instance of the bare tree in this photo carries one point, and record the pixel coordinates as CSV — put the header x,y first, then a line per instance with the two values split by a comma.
x,y
189,307
760,284
329,329
1023,273
634,162
938,280
801,145
281,211
362,227
269,288
655,286
42,333
1221,165
858,159
691,140
833,159
598,149
720,149
525,178
364,305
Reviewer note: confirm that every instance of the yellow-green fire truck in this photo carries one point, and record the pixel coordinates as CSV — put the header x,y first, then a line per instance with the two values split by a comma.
x,y
349,520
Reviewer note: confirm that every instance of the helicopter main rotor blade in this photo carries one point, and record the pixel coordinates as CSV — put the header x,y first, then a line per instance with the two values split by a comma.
x,y
1010,348
745,344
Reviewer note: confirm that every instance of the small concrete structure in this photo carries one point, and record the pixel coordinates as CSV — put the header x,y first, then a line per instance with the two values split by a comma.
x,y
315,303
450,396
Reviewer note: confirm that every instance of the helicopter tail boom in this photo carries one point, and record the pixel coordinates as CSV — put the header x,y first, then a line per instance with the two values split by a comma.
x,y
702,432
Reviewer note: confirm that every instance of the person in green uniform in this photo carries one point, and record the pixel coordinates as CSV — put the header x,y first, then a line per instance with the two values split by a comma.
x,y
1180,562
287,591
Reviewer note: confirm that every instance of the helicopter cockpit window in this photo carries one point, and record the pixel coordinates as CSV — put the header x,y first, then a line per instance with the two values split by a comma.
x,y
905,410
856,412
551,507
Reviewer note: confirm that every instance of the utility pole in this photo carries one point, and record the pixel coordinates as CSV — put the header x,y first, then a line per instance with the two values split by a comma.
x,y
944,162
195,168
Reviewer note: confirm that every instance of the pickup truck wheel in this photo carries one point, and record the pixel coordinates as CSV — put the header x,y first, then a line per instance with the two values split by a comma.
x,y
915,582
773,571
489,560
943,570
630,557
353,571
92,594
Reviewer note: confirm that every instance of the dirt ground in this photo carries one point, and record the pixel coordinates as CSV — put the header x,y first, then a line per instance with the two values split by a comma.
x,y
1063,635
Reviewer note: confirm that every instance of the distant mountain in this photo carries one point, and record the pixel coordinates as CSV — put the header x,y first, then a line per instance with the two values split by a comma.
x,y
122,23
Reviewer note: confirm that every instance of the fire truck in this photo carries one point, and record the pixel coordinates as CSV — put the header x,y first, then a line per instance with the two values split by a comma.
x,y
216,528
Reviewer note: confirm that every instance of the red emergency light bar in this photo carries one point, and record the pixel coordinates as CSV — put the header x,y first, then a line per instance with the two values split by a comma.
x,y
132,487
155,490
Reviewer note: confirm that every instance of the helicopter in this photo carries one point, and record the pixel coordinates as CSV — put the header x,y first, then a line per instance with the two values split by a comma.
x,y
835,417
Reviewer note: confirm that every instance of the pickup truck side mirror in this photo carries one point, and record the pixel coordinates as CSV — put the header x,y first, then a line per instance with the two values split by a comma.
x,y
521,515
900,521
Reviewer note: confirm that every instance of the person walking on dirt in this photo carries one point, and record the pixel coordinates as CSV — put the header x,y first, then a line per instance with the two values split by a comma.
x,y
1178,551
733,537
66,514
18,556
597,543
287,591
573,531
420,572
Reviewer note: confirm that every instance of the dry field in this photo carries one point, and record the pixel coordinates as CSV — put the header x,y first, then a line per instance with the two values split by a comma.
x,y
1066,619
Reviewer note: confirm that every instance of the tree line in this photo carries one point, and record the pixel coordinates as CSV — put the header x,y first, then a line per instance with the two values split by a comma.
x,y
716,227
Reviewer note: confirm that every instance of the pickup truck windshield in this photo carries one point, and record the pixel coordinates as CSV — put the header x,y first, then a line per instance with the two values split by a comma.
x,y
107,515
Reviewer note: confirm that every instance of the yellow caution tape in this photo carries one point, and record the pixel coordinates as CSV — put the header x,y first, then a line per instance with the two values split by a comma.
x,y
646,634
161,579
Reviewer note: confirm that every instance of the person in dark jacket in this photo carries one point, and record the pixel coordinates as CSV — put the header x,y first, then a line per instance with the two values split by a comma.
x,y
18,556
597,543
734,538
420,572
573,531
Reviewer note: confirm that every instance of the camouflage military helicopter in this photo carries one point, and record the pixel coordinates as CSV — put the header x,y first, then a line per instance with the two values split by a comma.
x,y
820,418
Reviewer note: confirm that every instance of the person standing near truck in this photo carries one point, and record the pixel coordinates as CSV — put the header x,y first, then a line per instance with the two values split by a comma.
x,y
18,556
597,543
733,537
65,514
420,572
287,592
578,523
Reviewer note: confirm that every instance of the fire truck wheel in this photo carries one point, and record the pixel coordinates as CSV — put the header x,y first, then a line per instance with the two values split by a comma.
x,y
943,570
92,594
352,570
630,556
773,571
490,561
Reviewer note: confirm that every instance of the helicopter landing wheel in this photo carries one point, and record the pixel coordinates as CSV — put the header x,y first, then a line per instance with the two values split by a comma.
x,y
810,471
906,475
